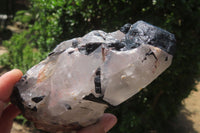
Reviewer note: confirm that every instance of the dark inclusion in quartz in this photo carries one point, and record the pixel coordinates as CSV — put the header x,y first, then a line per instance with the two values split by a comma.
x,y
144,33
137,34
81,77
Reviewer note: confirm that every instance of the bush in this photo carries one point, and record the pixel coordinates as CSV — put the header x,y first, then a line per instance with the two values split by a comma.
x,y
54,21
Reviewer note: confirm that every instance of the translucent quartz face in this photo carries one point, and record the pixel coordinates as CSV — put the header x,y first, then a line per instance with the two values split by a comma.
x,y
126,73
73,86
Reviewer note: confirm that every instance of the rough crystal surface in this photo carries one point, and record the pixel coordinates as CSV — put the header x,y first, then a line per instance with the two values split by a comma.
x,y
81,77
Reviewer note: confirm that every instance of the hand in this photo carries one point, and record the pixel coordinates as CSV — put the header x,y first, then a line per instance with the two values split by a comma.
x,y
103,126
8,112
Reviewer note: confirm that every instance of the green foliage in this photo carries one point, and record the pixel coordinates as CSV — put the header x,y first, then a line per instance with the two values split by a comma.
x,y
22,53
21,119
54,21
23,16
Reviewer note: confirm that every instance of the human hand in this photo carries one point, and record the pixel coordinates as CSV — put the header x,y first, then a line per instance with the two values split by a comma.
x,y
103,126
8,112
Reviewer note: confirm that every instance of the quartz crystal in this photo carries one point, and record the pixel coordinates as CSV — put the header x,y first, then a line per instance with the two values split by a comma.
x,y
81,77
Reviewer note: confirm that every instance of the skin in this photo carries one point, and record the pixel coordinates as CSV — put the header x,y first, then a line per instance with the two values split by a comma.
x,y
103,126
9,111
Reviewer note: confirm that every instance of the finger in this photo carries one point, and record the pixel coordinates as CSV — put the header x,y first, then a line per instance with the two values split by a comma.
x,y
7,81
103,126
7,118
2,106
10,112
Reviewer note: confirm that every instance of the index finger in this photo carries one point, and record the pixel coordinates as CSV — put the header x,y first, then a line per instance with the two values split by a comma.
x,y
7,82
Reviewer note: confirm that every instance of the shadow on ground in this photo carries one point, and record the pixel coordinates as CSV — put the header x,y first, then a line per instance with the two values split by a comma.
x,y
181,123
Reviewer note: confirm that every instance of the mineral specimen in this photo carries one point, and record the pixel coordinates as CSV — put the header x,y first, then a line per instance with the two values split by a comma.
x,y
81,77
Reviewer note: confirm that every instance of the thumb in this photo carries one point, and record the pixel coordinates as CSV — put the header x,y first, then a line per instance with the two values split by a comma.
x,y
103,126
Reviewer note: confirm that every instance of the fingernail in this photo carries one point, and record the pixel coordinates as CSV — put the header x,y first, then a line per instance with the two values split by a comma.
x,y
17,71
109,123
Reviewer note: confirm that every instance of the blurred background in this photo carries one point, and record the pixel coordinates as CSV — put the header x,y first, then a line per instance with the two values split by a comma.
x,y
29,29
